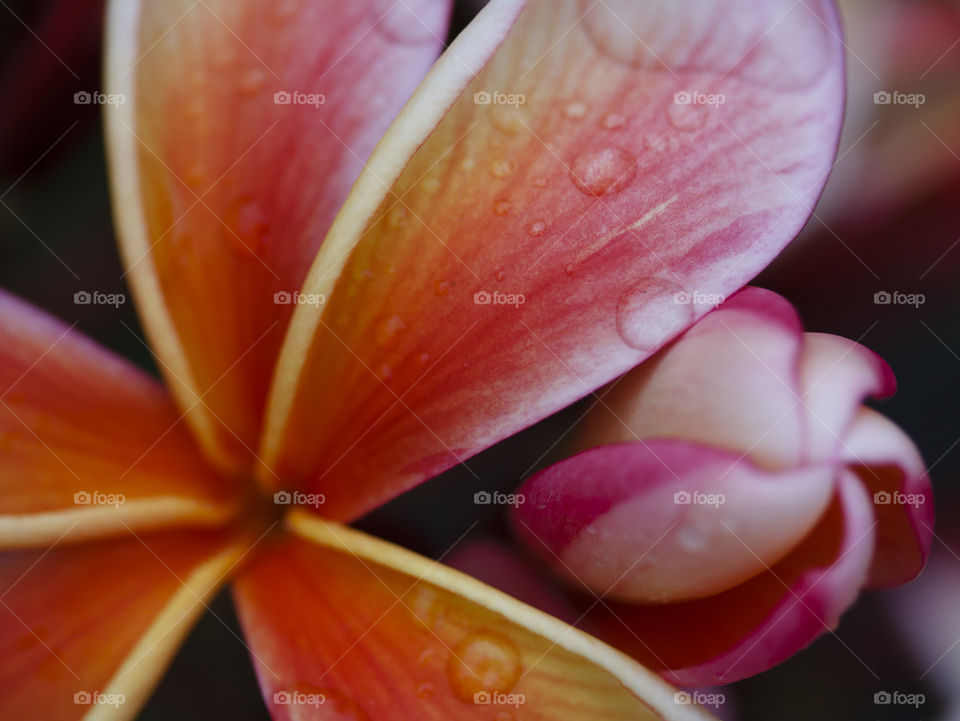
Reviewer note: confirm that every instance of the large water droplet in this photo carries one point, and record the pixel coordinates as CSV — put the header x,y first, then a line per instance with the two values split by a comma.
x,y
603,171
484,661
651,313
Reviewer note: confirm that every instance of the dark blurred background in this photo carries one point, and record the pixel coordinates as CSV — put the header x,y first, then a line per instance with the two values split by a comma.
x,y
889,221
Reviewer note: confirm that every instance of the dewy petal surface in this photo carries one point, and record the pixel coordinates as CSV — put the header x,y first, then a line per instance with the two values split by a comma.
x,y
83,625
89,443
345,626
242,127
500,258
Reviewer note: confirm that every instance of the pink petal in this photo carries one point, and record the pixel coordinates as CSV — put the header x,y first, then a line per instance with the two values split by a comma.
x,y
731,381
667,521
599,199
895,475
763,622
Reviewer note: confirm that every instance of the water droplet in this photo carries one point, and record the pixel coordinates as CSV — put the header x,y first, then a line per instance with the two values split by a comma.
x,y
569,269
483,661
467,164
397,217
575,111
502,206
225,57
426,656
536,228
425,606
649,314
390,331
195,175
502,168
688,118
252,80
385,373
614,121
425,690
509,119
432,186
603,171
442,287
500,275
540,182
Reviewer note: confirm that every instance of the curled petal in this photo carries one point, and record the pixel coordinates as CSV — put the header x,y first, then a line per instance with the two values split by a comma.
x,y
895,475
342,625
837,374
762,622
239,130
607,174
89,443
731,381
87,631
667,521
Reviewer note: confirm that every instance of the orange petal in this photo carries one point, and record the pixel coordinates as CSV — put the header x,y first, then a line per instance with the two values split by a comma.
x,y
526,234
90,443
243,127
349,627
89,629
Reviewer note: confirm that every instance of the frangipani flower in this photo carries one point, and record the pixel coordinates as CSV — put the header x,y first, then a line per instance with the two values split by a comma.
x,y
735,495
522,233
